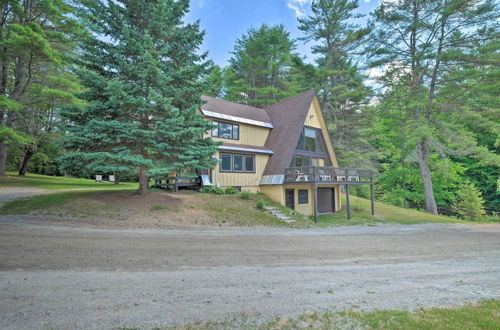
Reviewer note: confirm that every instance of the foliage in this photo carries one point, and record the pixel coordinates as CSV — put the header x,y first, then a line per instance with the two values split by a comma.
x,y
219,191
142,69
261,204
469,204
260,67
431,53
245,194
231,191
36,41
341,90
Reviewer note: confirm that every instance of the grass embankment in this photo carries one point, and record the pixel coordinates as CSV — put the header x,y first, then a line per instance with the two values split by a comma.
x,y
360,215
60,183
88,198
481,316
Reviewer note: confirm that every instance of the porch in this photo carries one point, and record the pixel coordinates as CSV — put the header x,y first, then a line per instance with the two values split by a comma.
x,y
318,176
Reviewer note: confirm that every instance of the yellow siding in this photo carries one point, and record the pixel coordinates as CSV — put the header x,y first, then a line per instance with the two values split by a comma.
x,y
249,134
275,192
306,209
324,130
312,118
247,181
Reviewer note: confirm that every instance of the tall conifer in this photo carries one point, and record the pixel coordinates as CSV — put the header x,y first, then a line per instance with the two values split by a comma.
x,y
141,69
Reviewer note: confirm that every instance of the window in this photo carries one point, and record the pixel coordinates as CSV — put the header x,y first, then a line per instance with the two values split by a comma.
x,y
303,196
226,164
301,161
311,140
237,163
225,130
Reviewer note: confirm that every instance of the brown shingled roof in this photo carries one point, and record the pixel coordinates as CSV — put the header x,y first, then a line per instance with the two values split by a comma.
x,y
288,118
234,109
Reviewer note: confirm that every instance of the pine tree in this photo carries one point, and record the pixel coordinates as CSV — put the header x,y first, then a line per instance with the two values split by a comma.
x,y
469,204
34,36
422,45
341,90
142,70
259,69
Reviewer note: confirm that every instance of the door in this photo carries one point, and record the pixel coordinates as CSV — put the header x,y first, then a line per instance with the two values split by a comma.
x,y
326,200
290,198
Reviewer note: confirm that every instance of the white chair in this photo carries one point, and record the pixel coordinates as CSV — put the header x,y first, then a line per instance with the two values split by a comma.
x,y
98,178
111,178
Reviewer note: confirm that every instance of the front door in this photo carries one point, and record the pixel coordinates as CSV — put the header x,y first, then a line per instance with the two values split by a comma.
x,y
326,200
290,199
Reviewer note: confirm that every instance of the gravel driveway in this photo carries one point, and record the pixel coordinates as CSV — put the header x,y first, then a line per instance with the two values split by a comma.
x,y
68,277
8,194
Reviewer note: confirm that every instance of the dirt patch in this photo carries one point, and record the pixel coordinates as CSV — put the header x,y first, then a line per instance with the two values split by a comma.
x,y
158,209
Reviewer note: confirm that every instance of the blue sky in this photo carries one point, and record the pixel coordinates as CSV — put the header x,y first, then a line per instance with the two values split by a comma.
x,y
226,20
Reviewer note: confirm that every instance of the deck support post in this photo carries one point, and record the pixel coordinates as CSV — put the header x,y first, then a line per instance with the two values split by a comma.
x,y
315,188
372,199
347,187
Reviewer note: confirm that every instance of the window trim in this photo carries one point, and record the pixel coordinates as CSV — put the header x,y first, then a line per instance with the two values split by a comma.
x,y
307,196
217,123
244,156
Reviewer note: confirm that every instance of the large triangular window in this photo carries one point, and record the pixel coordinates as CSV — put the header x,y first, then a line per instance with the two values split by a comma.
x,y
311,140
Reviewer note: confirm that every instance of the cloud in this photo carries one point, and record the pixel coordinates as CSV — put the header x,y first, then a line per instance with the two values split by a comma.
x,y
299,6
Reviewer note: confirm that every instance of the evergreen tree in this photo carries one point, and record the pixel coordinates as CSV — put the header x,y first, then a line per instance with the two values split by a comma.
x,y
469,204
259,70
422,45
142,70
341,90
34,36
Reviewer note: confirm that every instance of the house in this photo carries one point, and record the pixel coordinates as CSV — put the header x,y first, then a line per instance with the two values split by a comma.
x,y
283,151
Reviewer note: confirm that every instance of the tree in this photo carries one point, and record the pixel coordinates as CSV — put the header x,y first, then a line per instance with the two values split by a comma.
x,y
259,69
142,70
213,82
32,35
341,90
469,204
423,46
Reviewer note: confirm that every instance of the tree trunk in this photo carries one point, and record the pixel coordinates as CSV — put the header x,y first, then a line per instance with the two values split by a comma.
x,y
24,166
117,179
425,172
3,157
143,181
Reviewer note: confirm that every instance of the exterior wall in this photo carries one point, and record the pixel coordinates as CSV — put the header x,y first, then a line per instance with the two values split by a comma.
x,y
247,181
249,134
277,194
324,130
312,119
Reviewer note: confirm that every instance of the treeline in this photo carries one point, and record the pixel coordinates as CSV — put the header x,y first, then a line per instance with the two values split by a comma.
x,y
112,87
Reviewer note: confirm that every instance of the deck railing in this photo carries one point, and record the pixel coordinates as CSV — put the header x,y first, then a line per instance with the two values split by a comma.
x,y
327,174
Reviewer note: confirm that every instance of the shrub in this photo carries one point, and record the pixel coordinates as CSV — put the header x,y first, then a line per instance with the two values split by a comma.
x,y
212,190
231,191
261,204
245,194
468,203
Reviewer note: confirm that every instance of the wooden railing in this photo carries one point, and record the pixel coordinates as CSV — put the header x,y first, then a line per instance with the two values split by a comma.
x,y
327,174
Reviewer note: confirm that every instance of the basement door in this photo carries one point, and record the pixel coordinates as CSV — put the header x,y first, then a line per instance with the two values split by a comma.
x,y
290,198
326,200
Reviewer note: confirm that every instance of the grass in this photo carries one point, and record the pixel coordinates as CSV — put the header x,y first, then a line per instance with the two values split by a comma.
x,y
484,315
41,202
60,183
360,215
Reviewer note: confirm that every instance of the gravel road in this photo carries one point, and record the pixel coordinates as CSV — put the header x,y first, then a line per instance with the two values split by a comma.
x,y
8,194
52,276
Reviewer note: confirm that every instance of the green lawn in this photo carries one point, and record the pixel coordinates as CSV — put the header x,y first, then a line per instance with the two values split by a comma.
x,y
485,315
59,182
360,215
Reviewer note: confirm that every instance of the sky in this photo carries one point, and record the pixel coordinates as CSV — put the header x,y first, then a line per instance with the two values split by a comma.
x,y
226,20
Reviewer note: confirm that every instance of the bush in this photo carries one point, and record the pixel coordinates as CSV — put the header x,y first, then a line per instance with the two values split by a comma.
x,y
468,203
261,204
231,191
245,194
212,190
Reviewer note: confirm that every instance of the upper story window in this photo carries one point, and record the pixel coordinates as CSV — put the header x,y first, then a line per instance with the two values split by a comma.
x,y
311,140
226,130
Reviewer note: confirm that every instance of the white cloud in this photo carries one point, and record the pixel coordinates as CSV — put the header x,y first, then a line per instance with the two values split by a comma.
x,y
299,6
